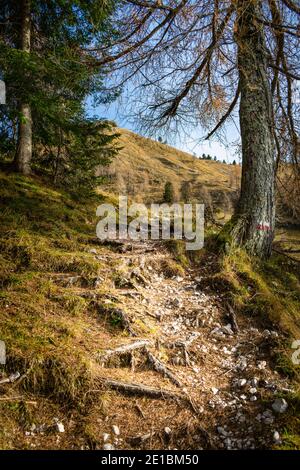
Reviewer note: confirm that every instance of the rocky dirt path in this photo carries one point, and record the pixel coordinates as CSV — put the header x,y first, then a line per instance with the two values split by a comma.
x,y
184,339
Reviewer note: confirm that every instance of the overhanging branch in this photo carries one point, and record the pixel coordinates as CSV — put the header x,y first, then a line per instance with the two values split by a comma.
x,y
226,115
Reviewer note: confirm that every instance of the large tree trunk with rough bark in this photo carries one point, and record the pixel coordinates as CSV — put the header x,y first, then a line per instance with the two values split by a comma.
x,y
255,215
24,148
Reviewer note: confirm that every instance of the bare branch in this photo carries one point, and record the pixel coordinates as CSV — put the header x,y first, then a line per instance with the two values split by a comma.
x,y
226,115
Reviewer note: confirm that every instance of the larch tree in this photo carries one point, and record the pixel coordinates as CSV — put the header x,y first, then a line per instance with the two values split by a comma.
x,y
193,62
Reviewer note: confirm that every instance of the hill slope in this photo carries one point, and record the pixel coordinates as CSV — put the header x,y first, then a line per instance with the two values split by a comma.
x,y
99,336
143,166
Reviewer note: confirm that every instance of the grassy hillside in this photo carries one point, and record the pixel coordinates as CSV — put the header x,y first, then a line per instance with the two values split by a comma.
x,y
59,300
143,166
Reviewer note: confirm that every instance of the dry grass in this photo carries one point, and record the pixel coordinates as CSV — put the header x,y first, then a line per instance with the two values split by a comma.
x,y
143,166
53,334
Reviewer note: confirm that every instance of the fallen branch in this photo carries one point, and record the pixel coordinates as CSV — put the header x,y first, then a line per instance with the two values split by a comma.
x,y
292,250
28,402
286,255
140,389
12,378
125,349
143,390
139,409
161,368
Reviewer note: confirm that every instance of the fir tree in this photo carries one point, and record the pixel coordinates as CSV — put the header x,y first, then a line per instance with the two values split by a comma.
x,y
48,78
169,193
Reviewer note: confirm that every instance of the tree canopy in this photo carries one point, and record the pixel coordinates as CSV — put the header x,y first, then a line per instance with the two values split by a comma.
x,y
184,53
54,80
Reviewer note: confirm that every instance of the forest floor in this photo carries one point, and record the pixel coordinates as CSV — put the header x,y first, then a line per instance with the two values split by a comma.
x,y
120,346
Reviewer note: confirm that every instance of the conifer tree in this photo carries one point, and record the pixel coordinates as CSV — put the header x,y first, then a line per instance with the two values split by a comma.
x,y
48,77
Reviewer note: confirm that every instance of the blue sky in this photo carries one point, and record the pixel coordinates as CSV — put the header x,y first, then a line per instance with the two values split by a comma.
x,y
223,149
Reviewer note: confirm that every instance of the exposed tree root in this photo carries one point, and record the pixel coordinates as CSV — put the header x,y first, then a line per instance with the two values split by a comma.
x,y
143,390
140,389
121,316
286,255
161,368
185,345
232,318
127,348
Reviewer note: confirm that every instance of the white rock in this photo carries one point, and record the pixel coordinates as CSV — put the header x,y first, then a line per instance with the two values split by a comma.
x,y
266,333
2,353
168,430
267,414
276,437
261,365
222,431
253,390
106,437
215,390
108,447
226,351
116,430
60,427
241,382
253,398
242,364
218,333
254,382
280,405
227,443
227,329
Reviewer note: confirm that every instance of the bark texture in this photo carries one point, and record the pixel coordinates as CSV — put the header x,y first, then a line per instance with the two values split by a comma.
x,y
24,149
255,215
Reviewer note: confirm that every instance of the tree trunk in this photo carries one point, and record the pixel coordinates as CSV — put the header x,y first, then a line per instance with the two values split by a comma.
x,y
255,215
24,148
